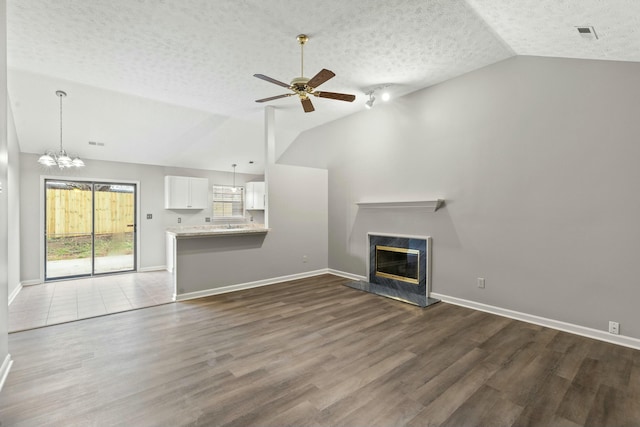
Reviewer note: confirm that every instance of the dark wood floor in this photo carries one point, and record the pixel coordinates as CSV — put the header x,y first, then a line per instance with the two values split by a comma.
x,y
315,353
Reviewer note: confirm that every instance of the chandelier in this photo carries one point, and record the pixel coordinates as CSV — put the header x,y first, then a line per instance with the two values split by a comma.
x,y
60,158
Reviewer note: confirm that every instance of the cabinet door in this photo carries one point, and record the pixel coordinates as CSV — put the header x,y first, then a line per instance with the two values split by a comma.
x,y
258,195
248,195
254,196
199,193
176,192
170,249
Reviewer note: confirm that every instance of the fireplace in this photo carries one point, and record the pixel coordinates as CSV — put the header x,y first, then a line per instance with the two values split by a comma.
x,y
399,267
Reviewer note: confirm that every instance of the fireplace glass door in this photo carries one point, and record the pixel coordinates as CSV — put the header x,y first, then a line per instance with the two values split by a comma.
x,y
398,263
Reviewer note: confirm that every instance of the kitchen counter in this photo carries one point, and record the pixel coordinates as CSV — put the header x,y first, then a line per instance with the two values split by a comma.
x,y
194,231
192,248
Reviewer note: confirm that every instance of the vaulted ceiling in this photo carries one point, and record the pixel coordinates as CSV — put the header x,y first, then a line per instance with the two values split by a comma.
x,y
170,82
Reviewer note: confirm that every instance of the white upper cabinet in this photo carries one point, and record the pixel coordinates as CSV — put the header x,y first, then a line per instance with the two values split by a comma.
x,y
255,195
185,192
199,192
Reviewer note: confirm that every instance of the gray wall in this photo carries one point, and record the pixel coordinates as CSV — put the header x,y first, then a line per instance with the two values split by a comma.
x,y
537,159
298,223
151,194
13,185
4,154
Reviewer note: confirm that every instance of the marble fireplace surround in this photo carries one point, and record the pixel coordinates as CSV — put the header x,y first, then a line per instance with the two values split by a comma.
x,y
417,294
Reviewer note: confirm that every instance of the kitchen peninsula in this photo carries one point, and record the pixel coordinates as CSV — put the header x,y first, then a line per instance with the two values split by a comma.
x,y
191,250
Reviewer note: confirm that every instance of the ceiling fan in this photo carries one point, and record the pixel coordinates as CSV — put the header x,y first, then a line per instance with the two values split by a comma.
x,y
304,86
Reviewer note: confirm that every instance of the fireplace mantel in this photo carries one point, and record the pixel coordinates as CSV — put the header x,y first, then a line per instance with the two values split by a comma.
x,y
428,205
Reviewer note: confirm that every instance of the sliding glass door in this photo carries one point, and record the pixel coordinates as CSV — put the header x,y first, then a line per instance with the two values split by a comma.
x,y
114,221
68,229
90,228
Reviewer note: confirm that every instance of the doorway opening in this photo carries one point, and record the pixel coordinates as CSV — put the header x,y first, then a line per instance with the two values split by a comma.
x,y
90,228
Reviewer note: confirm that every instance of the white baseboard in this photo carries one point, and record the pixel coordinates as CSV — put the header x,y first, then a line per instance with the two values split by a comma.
x,y
31,282
530,318
249,285
155,268
4,370
346,275
15,293
543,321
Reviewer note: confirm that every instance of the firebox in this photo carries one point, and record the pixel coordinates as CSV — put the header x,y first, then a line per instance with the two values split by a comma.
x,y
399,268
398,263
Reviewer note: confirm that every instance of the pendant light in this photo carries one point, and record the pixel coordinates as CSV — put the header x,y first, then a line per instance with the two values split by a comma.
x,y
234,188
60,158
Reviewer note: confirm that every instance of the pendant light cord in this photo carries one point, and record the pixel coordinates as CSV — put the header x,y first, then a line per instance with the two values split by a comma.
x,y
234,175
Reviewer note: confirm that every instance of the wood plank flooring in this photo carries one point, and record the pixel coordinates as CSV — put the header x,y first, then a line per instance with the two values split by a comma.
x,y
315,353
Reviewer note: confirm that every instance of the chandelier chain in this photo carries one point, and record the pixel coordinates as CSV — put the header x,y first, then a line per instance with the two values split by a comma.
x,y
60,96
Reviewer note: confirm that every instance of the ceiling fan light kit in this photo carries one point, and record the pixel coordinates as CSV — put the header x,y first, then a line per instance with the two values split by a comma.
x,y
304,86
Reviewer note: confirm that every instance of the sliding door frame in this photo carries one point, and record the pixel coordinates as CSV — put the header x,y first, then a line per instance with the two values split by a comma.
x,y
42,207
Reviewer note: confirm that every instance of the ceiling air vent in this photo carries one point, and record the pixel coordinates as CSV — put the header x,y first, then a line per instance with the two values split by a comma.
x,y
588,33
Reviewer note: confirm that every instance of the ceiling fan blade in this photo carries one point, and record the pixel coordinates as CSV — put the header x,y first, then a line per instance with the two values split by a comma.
x,y
270,80
320,78
274,97
307,106
334,95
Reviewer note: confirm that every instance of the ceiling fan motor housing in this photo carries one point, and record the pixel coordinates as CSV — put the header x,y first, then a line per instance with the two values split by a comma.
x,y
299,85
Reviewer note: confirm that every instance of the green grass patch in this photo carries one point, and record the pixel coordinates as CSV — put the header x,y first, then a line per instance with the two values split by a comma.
x,y
74,247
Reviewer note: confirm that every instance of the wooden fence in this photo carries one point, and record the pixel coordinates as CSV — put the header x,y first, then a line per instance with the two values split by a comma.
x,y
70,212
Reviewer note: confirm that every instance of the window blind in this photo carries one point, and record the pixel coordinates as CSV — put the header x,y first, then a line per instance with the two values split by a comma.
x,y
228,201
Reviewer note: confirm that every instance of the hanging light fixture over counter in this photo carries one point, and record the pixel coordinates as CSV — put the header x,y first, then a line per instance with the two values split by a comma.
x,y
60,158
234,188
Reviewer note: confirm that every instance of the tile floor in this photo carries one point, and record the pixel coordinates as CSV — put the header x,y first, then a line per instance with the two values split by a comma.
x,y
64,301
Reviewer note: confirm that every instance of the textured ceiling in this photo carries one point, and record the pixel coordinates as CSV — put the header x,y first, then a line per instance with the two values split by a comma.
x,y
180,68
547,27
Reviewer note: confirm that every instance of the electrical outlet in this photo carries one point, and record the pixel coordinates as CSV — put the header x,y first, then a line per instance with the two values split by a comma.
x,y
179,220
614,328
207,219
149,216
305,258
480,282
